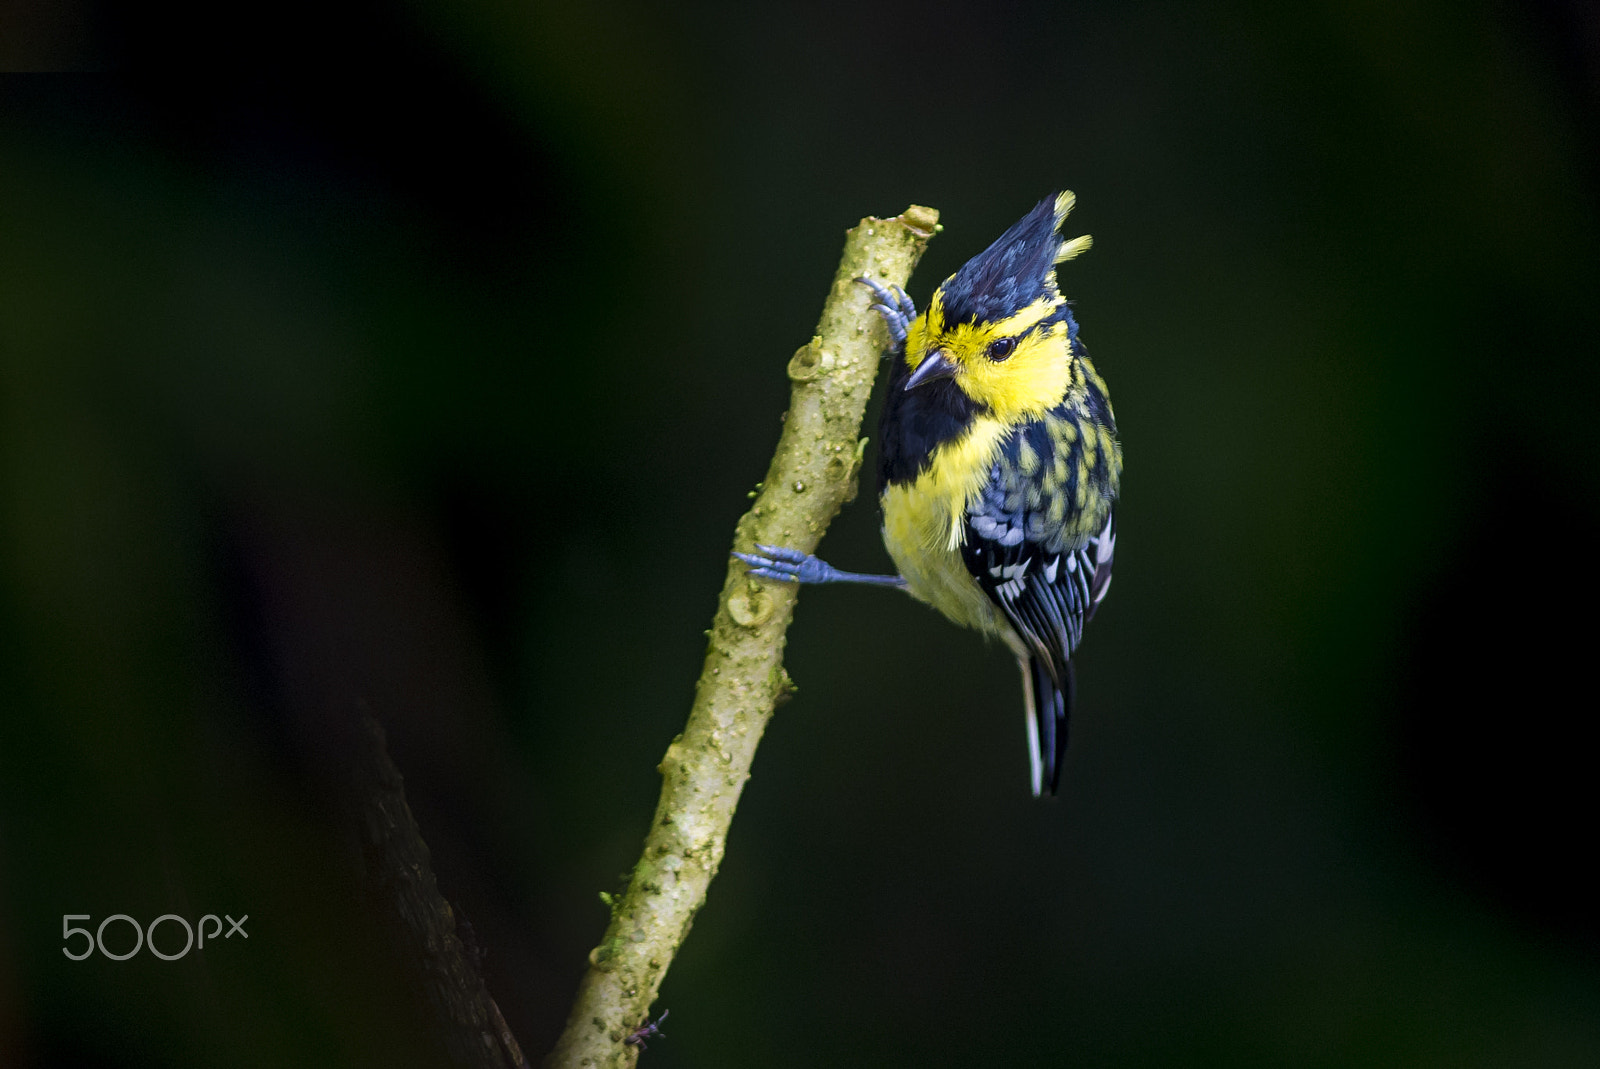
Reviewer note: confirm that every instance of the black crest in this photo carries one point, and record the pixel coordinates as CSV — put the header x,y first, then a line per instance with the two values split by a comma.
x,y
1012,273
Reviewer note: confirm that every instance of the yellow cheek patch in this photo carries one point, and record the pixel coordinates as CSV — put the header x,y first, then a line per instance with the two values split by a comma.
x,y
1026,385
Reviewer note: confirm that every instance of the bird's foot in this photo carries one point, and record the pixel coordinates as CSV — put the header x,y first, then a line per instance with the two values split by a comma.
x,y
787,565
792,566
895,307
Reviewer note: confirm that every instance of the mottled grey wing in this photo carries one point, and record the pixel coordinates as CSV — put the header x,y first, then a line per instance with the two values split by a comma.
x,y
1047,593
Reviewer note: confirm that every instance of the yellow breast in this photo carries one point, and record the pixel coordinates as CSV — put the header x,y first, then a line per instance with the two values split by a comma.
x,y
924,520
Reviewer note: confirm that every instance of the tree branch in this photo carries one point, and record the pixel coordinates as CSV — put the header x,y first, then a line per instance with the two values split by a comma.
x,y
814,472
400,874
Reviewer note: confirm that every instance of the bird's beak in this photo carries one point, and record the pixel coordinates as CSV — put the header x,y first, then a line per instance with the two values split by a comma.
x,y
934,366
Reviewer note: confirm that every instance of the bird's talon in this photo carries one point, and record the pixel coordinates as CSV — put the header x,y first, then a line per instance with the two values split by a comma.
x,y
782,564
783,553
894,306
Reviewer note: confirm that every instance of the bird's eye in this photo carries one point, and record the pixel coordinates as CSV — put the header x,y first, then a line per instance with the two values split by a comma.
x,y
1000,348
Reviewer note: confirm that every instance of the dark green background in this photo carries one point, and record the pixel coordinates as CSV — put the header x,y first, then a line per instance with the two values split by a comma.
x,y
435,380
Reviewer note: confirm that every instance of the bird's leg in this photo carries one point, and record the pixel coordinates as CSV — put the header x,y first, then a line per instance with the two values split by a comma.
x,y
792,566
895,307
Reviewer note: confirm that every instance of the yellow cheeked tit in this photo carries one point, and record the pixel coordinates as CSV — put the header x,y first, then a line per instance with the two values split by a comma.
x,y
999,466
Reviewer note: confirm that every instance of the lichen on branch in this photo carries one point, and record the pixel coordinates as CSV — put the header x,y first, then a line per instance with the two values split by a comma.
x,y
815,470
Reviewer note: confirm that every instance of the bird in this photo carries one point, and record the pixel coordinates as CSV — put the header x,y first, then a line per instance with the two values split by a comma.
x,y
999,466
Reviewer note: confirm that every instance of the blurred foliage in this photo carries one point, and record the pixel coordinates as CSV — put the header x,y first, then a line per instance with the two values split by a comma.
x,y
432,382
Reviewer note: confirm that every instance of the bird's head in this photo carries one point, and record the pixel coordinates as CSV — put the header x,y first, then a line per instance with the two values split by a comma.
x,y
999,327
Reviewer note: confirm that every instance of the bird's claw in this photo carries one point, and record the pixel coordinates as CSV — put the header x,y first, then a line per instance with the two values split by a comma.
x,y
784,565
894,306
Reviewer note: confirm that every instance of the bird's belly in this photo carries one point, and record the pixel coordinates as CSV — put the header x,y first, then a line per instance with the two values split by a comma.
x,y
916,532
